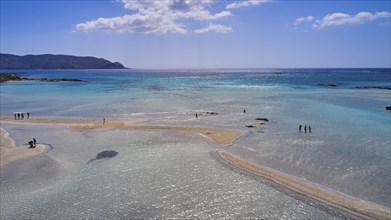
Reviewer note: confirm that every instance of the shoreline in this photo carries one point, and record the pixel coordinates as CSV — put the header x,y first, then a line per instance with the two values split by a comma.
x,y
222,137
330,197
9,152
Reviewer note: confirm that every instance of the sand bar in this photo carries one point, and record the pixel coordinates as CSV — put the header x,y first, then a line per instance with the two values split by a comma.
x,y
333,198
223,137
9,152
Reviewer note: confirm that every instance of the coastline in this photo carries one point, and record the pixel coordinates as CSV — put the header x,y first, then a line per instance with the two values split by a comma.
x,y
9,152
222,137
335,199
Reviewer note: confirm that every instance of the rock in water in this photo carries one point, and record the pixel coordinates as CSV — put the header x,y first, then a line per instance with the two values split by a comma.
x,y
104,155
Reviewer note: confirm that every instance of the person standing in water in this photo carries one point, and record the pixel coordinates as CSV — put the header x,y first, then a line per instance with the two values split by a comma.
x,y
309,129
300,128
305,128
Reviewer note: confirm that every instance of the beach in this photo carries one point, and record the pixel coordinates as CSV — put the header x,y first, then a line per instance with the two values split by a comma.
x,y
336,199
133,138
9,152
221,137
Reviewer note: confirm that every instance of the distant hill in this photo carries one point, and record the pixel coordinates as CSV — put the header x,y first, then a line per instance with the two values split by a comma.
x,y
49,61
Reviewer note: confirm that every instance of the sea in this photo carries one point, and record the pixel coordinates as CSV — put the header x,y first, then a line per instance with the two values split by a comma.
x,y
175,175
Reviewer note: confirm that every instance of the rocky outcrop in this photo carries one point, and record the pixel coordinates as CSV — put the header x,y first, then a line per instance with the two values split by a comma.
x,y
373,87
327,84
58,80
262,119
5,77
388,108
260,125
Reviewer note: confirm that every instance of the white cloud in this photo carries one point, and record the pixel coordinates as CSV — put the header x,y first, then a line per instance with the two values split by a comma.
x,y
304,19
136,23
155,17
214,28
246,3
336,19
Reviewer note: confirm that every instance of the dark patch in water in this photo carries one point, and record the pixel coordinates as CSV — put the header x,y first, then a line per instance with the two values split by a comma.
x,y
156,88
107,154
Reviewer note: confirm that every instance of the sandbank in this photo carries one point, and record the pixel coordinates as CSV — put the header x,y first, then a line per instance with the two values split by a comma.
x,y
9,152
223,137
333,198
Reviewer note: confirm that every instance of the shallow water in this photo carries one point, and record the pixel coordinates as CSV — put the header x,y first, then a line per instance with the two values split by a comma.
x,y
348,149
154,175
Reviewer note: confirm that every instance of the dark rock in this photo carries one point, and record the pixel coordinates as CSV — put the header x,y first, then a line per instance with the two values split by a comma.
x,y
373,87
156,88
5,77
388,108
327,84
107,154
262,119
60,80
212,113
249,126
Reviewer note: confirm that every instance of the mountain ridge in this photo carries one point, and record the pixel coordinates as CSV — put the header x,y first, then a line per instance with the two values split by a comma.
x,y
58,61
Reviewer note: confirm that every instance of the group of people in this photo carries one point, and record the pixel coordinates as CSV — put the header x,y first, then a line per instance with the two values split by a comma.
x,y
305,128
33,143
20,115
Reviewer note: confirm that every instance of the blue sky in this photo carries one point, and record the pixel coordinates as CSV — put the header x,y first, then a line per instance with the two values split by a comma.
x,y
203,33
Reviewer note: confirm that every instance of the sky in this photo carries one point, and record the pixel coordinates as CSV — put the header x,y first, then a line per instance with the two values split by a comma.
x,y
203,33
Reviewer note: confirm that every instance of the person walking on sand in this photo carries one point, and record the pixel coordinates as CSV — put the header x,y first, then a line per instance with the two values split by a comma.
x,y
15,116
34,142
104,121
18,115
309,129
28,115
22,116
300,128
305,128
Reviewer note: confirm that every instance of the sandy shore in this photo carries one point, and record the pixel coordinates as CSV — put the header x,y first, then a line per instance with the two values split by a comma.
x,y
223,137
341,201
9,152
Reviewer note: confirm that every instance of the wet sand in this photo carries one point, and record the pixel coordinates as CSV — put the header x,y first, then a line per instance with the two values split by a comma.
x,y
223,137
9,152
336,199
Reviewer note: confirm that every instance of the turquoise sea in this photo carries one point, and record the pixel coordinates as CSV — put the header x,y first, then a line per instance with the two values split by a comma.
x,y
163,174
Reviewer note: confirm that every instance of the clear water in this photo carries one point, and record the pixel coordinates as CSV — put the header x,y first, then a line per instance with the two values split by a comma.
x,y
348,150
154,175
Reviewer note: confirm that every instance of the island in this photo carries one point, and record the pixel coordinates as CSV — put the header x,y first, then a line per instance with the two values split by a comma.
x,y
50,61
